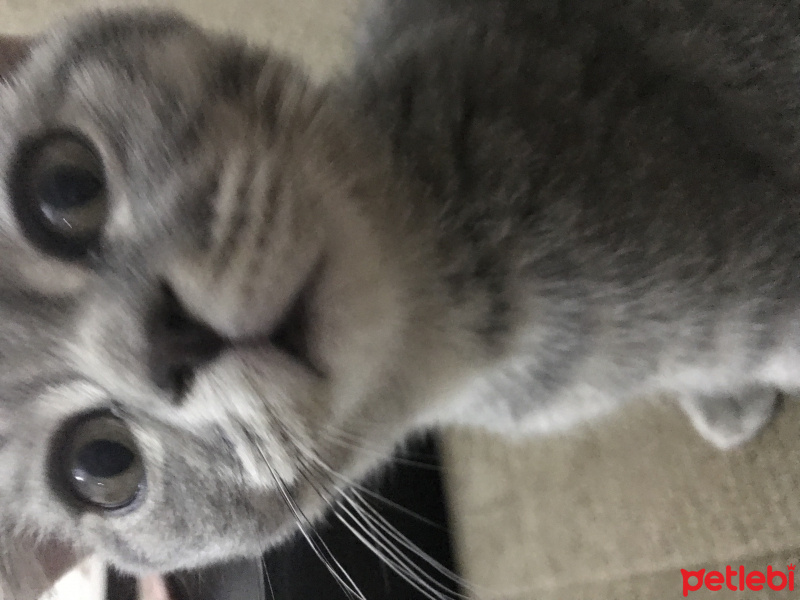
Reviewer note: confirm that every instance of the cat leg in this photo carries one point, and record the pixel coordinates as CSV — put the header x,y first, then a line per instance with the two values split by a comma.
x,y
729,421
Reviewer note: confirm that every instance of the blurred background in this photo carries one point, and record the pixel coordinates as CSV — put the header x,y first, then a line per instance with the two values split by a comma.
x,y
610,511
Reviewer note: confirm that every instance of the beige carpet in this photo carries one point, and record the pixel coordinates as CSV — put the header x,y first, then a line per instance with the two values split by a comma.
x,y
615,510
316,31
612,512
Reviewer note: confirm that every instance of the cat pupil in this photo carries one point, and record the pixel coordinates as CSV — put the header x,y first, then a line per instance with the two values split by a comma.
x,y
104,458
58,193
64,187
103,468
67,195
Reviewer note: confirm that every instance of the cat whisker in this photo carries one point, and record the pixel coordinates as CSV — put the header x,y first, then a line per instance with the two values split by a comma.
x,y
358,491
339,437
387,553
380,521
321,550
382,499
394,557
380,527
319,547
390,503
380,537
377,534
291,440
265,570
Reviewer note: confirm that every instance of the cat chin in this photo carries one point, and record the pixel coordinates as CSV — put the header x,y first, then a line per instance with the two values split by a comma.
x,y
174,553
254,537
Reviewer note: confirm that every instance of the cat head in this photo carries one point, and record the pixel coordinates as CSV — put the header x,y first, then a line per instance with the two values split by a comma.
x,y
197,314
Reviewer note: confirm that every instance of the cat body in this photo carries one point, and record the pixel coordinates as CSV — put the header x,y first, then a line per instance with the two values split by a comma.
x,y
606,179
518,215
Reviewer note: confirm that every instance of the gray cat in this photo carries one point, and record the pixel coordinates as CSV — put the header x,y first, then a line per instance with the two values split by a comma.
x,y
227,292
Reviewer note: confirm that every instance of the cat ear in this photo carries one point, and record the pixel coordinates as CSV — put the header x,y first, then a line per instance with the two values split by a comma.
x,y
13,49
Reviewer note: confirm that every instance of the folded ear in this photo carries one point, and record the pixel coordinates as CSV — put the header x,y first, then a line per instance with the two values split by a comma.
x,y
13,49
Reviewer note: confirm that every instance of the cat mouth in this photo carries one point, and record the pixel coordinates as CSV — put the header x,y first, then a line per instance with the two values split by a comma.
x,y
239,580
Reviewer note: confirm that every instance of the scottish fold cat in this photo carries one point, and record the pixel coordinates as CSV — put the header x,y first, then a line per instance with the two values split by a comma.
x,y
227,291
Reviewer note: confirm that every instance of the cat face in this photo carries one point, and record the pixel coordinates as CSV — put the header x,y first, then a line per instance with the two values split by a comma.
x,y
196,315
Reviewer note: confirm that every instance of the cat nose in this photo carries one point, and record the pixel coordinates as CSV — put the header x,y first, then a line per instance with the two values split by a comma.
x,y
179,344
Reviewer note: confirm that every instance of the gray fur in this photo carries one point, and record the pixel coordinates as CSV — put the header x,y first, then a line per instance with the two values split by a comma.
x,y
514,214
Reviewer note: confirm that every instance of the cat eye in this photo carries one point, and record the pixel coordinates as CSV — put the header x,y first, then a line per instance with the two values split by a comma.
x,y
103,468
59,194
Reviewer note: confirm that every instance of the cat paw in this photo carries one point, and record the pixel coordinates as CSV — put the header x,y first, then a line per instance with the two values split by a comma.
x,y
729,421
